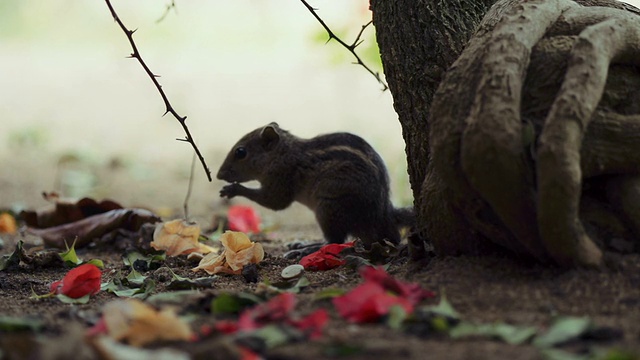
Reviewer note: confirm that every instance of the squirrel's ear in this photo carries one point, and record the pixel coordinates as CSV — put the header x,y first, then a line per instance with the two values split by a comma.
x,y
269,136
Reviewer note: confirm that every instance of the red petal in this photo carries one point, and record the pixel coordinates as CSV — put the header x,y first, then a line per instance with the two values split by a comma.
x,y
244,219
98,329
410,291
351,304
313,323
226,327
276,309
55,286
326,258
80,281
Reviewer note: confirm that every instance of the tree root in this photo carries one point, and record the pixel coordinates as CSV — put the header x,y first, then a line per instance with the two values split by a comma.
x,y
531,204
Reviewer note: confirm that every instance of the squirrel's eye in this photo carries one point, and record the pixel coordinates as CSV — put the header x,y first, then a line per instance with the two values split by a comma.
x,y
240,153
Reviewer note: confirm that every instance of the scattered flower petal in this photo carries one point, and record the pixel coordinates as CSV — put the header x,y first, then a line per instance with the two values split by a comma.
x,y
178,237
410,291
244,219
278,310
79,282
328,257
139,324
7,224
238,251
374,298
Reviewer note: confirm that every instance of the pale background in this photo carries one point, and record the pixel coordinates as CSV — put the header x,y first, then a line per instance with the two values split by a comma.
x,y
77,117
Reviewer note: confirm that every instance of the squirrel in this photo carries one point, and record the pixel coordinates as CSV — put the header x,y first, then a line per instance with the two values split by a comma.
x,y
339,176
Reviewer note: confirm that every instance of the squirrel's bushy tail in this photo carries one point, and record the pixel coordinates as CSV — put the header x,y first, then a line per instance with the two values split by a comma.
x,y
405,216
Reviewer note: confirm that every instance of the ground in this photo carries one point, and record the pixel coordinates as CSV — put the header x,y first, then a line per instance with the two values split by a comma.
x,y
482,290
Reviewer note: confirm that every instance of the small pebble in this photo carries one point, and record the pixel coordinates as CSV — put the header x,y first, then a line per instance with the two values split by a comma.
x,y
292,271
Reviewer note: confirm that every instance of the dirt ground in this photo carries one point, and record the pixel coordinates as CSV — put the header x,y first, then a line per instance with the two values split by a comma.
x,y
482,290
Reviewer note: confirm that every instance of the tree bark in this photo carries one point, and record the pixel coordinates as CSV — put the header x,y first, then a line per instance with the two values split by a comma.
x,y
478,180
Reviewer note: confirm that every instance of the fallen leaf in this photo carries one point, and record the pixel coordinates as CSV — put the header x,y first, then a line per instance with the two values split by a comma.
x,y
12,261
66,211
327,257
10,323
90,228
110,349
79,282
244,219
139,324
510,334
178,237
7,224
238,251
562,330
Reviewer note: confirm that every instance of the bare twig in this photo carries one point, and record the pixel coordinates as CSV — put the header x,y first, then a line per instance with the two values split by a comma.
x,y
351,48
167,10
189,188
169,109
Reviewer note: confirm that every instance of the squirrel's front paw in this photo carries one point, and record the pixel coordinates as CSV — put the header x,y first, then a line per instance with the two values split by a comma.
x,y
231,190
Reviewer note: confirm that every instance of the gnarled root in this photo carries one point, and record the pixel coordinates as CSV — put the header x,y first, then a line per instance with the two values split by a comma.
x,y
477,144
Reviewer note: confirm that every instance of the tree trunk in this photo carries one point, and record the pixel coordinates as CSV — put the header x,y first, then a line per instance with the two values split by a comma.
x,y
475,184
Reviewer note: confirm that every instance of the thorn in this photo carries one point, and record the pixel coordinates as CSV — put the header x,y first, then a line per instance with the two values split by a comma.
x,y
357,44
130,56
165,113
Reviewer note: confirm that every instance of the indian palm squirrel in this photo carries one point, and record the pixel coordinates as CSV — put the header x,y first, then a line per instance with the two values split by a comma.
x,y
338,176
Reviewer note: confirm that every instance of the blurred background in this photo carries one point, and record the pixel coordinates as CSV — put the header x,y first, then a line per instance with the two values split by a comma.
x,y
79,118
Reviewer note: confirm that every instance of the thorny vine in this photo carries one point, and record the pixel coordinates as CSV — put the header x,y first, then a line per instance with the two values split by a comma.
x,y
169,109
350,47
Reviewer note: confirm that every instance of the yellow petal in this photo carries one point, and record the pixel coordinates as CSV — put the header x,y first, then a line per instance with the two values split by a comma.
x,y
137,323
235,240
211,262
238,252
178,237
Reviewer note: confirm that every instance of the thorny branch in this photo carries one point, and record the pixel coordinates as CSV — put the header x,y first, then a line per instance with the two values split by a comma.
x,y
167,10
169,109
351,48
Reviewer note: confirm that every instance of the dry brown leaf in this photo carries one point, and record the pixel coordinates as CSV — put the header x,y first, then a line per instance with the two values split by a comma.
x,y
178,237
238,251
85,230
138,324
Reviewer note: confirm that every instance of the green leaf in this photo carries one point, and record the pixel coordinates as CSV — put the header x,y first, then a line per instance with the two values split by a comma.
x,y
135,278
11,323
342,350
329,293
12,261
96,262
443,309
70,257
153,260
123,288
172,297
557,354
226,303
186,283
274,335
67,300
510,334
562,330
396,317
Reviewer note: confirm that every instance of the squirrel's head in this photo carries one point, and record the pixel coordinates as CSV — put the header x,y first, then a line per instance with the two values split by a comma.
x,y
251,155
